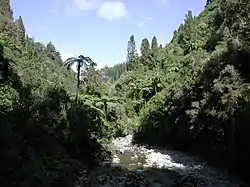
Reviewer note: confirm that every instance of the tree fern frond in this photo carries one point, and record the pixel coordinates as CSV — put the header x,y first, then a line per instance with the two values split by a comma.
x,y
82,62
90,61
71,58
70,61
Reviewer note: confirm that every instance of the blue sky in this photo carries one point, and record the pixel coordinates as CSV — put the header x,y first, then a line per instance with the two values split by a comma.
x,y
100,29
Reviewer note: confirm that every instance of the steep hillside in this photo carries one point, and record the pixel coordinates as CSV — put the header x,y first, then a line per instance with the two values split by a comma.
x,y
48,139
37,65
194,93
114,72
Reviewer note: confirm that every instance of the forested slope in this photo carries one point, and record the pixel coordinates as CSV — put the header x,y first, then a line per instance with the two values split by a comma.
x,y
194,92
46,138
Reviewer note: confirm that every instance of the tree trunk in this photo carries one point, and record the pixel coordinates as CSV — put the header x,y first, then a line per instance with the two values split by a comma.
x,y
78,81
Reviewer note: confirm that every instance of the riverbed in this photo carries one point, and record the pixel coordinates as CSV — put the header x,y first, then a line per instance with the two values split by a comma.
x,y
165,166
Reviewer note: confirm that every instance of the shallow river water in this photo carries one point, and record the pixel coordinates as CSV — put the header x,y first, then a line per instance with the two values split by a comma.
x,y
140,159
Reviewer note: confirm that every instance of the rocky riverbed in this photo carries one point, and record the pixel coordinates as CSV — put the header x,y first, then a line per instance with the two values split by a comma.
x,y
139,166
176,165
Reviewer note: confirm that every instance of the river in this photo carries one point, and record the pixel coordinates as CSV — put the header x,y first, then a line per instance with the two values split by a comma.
x,y
162,167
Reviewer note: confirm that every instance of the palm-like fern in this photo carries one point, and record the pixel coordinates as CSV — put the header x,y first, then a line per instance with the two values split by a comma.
x,y
82,63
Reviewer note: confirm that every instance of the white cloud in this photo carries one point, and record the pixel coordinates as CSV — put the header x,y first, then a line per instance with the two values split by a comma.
x,y
150,18
75,6
112,10
85,5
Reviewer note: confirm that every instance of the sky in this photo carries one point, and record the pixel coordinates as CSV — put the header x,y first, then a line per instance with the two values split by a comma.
x,y
101,29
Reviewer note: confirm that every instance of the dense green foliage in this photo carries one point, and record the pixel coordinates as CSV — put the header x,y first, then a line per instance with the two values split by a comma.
x,y
113,73
46,137
194,94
